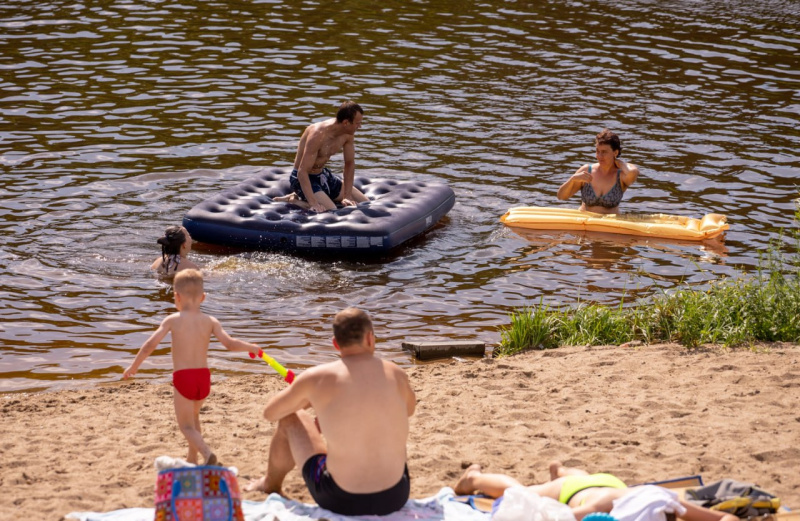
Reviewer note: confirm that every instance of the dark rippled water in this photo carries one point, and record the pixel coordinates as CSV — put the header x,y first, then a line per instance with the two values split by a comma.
x,y
116,117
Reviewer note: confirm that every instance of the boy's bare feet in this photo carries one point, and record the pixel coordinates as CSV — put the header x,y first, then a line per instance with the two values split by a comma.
x,y
465,486
212,460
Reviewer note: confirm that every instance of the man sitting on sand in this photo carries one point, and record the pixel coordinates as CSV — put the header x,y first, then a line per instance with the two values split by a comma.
x,y
584,493
313,184
362,404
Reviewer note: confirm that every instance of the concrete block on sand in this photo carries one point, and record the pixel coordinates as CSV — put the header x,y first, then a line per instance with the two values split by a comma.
x,y
431,350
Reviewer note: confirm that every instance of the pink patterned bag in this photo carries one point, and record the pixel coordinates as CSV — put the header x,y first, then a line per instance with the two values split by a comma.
x,y
198,494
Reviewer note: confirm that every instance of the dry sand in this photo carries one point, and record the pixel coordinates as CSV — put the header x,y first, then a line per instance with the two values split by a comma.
x,y
646,413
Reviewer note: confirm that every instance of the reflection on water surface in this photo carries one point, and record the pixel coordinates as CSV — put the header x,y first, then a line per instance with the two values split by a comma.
x,y
118,117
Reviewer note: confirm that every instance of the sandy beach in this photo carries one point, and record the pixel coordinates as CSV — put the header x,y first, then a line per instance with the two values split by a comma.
x,y
644,413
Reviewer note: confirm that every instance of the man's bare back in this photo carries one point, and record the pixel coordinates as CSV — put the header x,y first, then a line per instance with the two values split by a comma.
x,y
362,390
362,405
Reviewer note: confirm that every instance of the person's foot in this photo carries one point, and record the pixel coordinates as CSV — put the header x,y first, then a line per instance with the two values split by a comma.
x,y
256,485
465,485
260,485
291,198
212,460
556,470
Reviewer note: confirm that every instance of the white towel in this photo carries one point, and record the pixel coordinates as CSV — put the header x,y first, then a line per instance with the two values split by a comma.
x,y
521,504
440,507
647,503
168,462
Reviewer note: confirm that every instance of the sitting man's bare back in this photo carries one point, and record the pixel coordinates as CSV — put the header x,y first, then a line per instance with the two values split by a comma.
x,y
314,186
362,405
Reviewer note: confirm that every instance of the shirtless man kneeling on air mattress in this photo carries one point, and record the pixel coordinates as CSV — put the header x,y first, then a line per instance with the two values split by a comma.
x,y
314,186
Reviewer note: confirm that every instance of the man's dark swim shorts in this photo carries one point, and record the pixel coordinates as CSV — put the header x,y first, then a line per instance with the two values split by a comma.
x,y
330,496
325,182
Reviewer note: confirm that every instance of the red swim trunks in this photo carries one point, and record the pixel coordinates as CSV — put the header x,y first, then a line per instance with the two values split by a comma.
x,y
193,384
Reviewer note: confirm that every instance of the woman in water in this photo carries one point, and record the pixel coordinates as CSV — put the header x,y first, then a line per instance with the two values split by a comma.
x,y
603,183
175,246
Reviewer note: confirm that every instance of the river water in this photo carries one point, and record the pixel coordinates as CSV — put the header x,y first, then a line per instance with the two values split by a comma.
x,y
116,117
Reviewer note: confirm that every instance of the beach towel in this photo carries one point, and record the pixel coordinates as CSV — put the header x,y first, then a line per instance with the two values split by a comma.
x,y
735,497
440,507
647,503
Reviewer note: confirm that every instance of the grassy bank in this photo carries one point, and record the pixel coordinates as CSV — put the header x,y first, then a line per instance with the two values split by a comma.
x,y
764,306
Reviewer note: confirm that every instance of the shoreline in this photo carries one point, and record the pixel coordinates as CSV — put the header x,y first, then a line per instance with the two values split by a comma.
x,y
645,414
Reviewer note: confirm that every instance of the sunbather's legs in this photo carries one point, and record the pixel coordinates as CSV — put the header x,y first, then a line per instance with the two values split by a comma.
x,y
558,470
492,485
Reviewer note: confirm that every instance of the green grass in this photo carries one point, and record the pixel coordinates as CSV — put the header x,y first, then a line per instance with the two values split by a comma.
x,y
764,306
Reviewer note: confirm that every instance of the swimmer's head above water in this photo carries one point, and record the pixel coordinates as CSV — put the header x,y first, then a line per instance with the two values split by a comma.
x,y
175,243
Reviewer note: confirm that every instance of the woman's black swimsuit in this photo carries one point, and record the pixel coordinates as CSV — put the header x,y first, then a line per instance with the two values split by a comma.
x,y
610,199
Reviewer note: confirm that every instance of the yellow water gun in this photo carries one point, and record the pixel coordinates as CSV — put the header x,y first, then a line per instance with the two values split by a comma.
x,y
287,374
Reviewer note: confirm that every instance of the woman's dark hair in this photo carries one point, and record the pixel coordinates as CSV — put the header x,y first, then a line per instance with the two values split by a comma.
x,y
606,137
171,244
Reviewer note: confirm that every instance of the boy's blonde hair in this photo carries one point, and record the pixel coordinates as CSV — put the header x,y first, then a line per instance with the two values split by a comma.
x,y
188,283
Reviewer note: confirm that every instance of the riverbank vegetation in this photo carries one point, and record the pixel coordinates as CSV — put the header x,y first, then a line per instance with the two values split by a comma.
x,y
753,307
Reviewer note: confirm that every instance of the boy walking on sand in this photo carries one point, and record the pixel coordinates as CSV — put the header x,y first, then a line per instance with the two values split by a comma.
x,y
191,333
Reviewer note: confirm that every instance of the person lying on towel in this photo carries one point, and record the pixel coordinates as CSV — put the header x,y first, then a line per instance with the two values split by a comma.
x,y
585,493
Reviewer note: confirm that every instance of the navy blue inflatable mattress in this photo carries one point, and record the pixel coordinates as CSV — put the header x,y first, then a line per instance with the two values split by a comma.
x,y
246,216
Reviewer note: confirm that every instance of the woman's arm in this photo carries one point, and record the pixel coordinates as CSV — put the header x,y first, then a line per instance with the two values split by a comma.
x,y
627,173
574,183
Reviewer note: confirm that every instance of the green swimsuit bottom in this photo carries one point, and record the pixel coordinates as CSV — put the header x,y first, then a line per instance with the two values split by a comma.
x,y
574,484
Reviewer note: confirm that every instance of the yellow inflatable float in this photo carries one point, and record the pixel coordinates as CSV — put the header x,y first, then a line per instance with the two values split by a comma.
x,y
648,225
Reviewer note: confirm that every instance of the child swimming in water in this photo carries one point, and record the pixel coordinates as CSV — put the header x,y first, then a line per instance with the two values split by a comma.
x,y
191,332
175,246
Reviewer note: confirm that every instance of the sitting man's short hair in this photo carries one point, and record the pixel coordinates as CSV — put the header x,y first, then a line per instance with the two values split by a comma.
x,y
350,325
